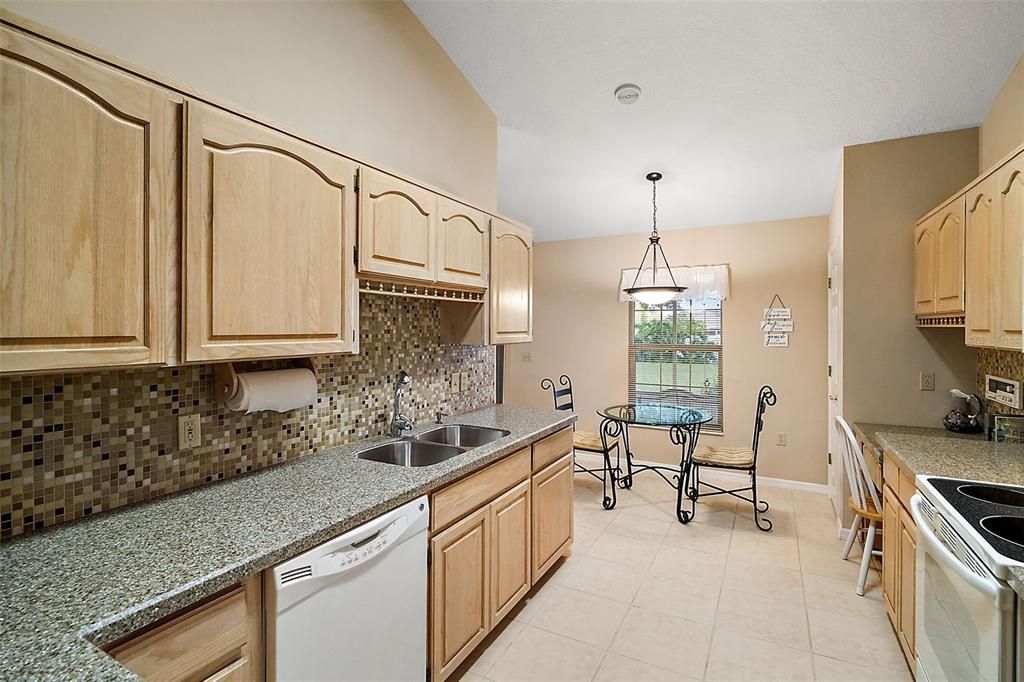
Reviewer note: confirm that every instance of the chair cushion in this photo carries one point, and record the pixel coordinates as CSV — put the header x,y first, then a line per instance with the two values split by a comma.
x,y
729,457
584,440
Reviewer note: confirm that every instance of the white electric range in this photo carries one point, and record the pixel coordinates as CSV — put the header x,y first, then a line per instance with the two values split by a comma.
x,y
970,622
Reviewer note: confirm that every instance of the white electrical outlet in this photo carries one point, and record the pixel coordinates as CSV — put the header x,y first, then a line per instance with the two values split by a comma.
x,y
464,381
455,382
527,356
780,438
927,381
190,433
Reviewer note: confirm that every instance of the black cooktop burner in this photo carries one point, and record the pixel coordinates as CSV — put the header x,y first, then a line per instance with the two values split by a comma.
x,y
995,512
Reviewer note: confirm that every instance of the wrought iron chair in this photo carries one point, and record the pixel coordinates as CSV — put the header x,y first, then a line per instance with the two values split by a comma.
x,y
586,441
865,500
734,459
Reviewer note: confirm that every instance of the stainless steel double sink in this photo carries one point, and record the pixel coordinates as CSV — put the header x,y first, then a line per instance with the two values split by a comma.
x,y
433,446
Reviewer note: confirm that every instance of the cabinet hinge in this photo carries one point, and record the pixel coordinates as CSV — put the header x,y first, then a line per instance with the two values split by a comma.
x,y
355,255
829,282
353,336
830,370
355,182
430,556
830,458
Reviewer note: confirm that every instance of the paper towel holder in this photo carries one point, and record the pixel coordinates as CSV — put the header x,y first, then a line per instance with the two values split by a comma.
x,y
225,378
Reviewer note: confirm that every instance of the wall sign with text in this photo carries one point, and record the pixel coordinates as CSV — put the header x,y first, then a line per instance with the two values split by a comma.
x,y
777,324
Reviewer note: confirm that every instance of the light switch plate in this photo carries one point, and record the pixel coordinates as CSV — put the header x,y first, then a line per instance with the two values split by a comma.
x,y
780,438
455,382
189,431
464,382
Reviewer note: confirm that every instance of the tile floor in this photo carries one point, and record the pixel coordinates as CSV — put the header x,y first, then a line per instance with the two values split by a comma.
x,y
645,598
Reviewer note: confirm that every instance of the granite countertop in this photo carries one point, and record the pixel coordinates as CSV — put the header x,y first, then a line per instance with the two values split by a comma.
x,y
74,588
938,452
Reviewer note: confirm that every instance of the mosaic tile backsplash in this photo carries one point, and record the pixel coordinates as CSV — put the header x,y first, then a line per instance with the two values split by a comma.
x,y
1001,363
73,445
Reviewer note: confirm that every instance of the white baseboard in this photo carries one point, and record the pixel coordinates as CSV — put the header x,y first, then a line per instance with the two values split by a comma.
x,y
730,477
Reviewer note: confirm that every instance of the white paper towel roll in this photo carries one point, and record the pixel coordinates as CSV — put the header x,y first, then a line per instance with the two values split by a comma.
x,y
279,390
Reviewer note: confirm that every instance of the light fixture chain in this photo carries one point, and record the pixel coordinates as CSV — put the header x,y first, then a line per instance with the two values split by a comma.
x,y
654,204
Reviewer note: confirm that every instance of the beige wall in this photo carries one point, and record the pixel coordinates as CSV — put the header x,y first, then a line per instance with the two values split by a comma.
x,y
1003,128
887,187
580,328
364,77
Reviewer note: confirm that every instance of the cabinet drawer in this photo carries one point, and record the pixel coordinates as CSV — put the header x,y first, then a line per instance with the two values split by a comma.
x,y
890,471
874,464
462,497
551,448
213,641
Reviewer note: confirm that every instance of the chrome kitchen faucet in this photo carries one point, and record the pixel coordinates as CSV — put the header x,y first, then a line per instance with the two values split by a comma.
x,y
400,422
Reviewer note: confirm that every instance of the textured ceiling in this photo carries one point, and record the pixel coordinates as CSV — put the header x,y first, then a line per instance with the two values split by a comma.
x,y
745,105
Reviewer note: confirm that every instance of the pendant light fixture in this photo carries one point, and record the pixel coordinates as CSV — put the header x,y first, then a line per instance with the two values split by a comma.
x,y
657,292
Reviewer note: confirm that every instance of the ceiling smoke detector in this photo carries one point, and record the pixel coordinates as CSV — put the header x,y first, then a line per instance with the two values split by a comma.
x,y
627,93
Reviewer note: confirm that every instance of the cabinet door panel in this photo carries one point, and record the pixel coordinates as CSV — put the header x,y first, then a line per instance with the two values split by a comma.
x,y
1010,197
949,279
908,562
460,589
924,268
510,550
890,552
511,283
462,244
981,243
552,514
397,229
90,187
270,228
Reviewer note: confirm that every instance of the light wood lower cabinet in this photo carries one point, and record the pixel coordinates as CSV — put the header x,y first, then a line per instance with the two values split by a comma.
x,y
90,206
552,520
495,533
221,639
899,555
511,522
460,578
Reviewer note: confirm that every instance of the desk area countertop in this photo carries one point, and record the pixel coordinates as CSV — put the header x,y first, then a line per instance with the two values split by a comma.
x,y
77,587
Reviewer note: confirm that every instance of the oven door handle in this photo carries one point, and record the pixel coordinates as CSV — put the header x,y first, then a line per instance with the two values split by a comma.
x,y
926,538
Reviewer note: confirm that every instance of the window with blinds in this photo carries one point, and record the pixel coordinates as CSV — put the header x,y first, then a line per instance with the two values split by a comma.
x,y
675,355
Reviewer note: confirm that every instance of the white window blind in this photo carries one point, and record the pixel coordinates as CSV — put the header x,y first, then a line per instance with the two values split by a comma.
x,y
675,355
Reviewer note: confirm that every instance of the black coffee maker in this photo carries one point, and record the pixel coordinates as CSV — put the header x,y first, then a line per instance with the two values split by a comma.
x,y
960,421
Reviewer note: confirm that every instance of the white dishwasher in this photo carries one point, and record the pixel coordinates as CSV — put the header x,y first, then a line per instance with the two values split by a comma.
x,y
354,608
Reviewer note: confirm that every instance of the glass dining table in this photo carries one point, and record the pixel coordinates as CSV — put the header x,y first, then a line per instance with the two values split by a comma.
x,y
683,424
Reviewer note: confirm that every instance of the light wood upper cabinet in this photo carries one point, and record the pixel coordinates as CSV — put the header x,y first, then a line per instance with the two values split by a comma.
x,y
1009,198
552,515
463,244
924,268
269,237
511,283
510,550
460,612
981,248
397,227
949,240
90,196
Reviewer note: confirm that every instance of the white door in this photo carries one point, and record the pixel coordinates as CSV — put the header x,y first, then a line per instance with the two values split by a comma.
x,y
835,380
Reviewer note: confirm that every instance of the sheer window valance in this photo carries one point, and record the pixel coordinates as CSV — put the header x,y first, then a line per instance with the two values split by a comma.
x,y
701,281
